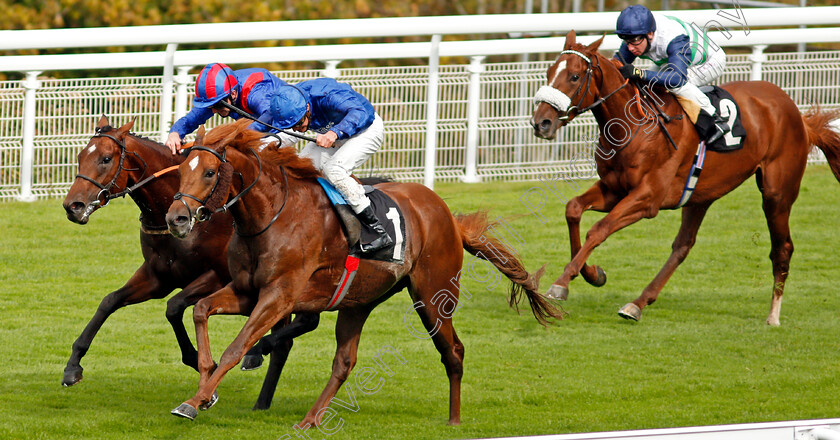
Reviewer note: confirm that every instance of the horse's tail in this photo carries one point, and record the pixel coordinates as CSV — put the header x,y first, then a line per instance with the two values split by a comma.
x,y
472,228
824,132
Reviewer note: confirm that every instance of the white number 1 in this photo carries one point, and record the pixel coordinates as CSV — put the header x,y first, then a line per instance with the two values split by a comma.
x,y
394,216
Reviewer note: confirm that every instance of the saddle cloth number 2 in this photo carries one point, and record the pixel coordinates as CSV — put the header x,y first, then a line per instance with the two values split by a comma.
x,y
729,110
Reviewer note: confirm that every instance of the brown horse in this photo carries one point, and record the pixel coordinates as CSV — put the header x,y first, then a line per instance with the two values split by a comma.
x,y
115,163
291,252
646,173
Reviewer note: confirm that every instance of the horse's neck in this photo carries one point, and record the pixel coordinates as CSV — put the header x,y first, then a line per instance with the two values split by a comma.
x,y
154,197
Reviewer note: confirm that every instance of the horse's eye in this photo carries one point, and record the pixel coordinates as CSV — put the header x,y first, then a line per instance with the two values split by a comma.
x,y
575,77
106,160
209,173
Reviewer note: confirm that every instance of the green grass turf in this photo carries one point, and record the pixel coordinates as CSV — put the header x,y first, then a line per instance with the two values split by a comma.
x,y
701,355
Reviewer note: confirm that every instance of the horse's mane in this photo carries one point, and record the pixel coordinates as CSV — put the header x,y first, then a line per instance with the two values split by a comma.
x,y
152,142
246,140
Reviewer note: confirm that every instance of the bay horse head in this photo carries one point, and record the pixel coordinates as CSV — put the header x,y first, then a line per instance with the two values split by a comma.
x,y
206,178
101,176
574,86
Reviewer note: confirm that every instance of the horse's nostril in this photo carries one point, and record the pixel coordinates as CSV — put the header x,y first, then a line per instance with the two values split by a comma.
x,y
180,220
76,207
545,124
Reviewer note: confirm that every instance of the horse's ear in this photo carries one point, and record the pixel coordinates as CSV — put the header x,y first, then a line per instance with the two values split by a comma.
x,y
570,39
122,131
596,44
199,137
103,122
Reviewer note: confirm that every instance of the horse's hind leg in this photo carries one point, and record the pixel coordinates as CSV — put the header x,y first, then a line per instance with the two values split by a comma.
x,y
348,329
141,287
436,306
692,217
202,286
777,212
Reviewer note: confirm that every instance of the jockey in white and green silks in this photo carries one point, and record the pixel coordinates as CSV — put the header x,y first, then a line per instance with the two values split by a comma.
x,y
686,59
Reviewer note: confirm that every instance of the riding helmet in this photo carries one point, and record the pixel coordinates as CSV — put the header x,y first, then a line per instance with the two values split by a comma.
x,y
214,83
288,106
635,20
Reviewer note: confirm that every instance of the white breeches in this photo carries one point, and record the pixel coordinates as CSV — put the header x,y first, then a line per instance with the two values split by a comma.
x,y
702,75
338,163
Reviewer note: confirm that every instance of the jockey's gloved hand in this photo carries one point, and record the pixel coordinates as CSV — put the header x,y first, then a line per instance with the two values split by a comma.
x,y
629,71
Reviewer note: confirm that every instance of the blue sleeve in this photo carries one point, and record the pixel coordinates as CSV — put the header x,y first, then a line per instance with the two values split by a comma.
x,y
675,74
259,102
357,110
190,122
624,54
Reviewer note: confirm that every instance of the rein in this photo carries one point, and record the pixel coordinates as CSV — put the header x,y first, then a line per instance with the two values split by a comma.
x,y
105,190
246,115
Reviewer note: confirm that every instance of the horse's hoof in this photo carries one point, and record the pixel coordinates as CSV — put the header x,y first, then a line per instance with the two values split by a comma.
x,y
213,399
72,377
251,362
558,292
601,279
630,311
185,410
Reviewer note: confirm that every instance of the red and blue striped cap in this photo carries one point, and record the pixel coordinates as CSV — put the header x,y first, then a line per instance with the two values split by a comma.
x,y
214,83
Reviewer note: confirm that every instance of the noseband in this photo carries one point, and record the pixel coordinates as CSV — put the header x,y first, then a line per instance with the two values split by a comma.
x,y
105,190
562,103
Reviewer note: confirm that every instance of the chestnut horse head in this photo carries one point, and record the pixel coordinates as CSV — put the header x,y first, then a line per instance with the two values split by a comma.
x,y
645,155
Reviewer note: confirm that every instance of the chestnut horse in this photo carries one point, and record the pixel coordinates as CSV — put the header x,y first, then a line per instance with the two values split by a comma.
x,y
291,252
115,163
646,173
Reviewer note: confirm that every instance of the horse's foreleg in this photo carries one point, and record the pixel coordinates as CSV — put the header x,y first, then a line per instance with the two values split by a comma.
x,y
595,198
267,312
302,324
141,287
202,286
279,355
635,206
348,329
692,217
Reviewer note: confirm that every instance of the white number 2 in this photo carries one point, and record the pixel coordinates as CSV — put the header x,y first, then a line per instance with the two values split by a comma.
x,y
394,216
730,111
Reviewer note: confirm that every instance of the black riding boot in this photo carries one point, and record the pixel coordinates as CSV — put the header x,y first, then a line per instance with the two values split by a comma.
x,y
383,240
711,128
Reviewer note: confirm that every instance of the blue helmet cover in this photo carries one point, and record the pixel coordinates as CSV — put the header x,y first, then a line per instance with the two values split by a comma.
x,y
635,20
288,106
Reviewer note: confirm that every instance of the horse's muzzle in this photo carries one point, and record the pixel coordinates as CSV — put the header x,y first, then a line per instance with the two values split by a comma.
x,y
79,212
179,225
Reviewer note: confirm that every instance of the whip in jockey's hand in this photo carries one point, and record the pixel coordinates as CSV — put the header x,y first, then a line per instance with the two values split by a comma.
x,y
218,89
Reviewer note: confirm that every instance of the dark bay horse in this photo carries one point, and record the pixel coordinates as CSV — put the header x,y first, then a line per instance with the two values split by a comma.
x,y
641,171
291,252
113,162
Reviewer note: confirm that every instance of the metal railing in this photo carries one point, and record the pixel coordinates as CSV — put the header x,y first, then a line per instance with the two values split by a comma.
x,y
453,122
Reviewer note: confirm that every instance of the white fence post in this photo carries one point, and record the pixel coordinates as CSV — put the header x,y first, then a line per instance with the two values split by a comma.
x,y
27,157
476,68
182,80
757,58
166,96
331,69
431,112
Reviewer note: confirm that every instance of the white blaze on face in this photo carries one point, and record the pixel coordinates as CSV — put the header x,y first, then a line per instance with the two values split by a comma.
x,y
561,66
91,149
194,163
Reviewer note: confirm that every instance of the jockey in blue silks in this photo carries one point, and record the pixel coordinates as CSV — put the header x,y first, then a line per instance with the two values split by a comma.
x,y
349,133
684,57
217,89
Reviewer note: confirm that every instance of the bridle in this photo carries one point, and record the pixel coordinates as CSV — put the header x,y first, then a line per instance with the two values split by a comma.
x,y
105,190
203,213
558,100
